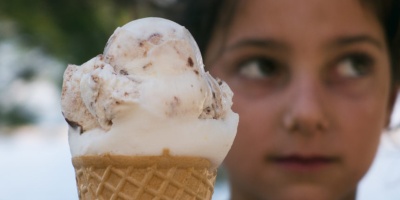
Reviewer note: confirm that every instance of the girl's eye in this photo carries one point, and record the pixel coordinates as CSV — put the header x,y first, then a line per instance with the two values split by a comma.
x,y
258,68
354,66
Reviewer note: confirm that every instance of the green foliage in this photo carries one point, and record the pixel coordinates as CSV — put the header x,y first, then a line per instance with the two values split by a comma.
x,y
71,30
16,116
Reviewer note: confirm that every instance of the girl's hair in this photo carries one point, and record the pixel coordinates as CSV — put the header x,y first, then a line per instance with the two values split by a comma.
x,y
201,18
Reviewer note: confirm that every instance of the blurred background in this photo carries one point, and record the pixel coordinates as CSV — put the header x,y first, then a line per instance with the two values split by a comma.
x,y
38,38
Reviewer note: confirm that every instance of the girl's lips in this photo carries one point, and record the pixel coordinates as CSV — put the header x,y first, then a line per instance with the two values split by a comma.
x,y
299,163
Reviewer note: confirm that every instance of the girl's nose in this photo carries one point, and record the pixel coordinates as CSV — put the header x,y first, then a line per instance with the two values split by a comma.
x,y
306,111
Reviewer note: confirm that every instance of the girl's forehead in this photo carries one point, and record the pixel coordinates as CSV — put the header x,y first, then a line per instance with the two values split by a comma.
x,y
306,20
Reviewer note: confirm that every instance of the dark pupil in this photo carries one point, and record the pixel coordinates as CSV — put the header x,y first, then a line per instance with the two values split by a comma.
x,y
267,67
360,64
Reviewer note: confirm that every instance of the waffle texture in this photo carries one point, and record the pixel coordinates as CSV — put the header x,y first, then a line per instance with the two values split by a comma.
x,y
144,177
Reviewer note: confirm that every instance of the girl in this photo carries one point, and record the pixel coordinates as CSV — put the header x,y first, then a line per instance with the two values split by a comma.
x,y
314,84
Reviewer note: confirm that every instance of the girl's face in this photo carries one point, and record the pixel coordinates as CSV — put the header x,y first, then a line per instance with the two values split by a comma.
x,y
311,81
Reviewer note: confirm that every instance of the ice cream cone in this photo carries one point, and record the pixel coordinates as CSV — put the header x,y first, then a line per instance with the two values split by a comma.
x,y
144,177
148,91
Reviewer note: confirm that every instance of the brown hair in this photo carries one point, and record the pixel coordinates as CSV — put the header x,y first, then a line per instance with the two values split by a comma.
x,y
388,13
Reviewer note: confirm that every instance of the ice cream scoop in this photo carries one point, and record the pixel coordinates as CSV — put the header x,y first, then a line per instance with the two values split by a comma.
x,y
147,93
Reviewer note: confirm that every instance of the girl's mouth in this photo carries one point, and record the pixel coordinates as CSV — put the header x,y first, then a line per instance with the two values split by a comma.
x,y
301,163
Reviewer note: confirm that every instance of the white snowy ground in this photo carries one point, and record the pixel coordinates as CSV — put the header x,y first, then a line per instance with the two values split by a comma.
x,y
35,164
383,179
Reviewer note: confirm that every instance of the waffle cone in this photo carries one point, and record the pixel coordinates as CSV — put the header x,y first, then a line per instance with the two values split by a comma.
x,y
144,177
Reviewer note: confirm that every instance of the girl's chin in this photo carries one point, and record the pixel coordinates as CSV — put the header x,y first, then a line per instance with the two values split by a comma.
x,y
311,192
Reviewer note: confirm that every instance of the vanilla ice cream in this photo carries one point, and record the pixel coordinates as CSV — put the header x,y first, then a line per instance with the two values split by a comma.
x,y
148,92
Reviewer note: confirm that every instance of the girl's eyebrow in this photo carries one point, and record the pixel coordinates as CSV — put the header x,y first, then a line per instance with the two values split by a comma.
x,y
277,45
355,39
266,43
